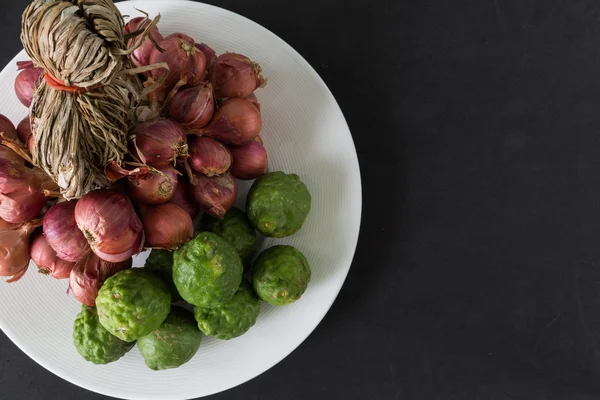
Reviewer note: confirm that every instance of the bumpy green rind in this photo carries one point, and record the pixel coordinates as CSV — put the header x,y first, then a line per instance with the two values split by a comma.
x,y
207,270
161,262
278,204
236,229
231,319
280,275
93,342
133,303
173,344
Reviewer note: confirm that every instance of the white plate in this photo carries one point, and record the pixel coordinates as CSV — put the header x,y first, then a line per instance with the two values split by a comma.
x,y
305,133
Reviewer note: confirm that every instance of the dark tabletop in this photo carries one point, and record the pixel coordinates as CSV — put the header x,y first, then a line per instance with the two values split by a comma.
x,y
477,275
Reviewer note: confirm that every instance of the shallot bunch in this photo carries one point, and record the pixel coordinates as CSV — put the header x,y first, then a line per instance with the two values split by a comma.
x,y
224,141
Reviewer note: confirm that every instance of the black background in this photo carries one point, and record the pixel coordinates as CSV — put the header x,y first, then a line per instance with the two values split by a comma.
x,y
477,274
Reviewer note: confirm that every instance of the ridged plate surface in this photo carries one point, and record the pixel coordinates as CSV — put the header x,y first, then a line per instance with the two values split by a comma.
x,y
305,133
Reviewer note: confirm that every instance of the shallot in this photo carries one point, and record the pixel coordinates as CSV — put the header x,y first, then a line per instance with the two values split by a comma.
x,y
63,234
193,108
184,199
22,190
89,275
167,226
159,143
7,128
208,156
44,256
250,160
208,52
25,135
235,75
254,100
14,248
184,59
9,155
215,195
237,121
110,225
26,83
141,56
154,187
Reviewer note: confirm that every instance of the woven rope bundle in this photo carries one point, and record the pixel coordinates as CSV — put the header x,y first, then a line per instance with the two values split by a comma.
x,y
80,114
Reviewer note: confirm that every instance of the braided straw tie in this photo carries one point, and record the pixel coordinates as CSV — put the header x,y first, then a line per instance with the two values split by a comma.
x,y
81,111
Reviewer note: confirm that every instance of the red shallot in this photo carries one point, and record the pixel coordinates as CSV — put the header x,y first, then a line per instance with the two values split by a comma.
x,y
193,108
7,128
24,133
184,199
208,156
167,226
184,60
89,275
159,143
110,225
154,187
14,248
215,195
62,233
250,160
22,190
208,52
237,121
141,56
235,75
254,100
44,256
26,83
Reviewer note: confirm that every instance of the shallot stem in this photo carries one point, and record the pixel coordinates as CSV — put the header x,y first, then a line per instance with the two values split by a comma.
x,y
151,170
189,172
52,193
167,104
139,152
17,147
151,85
144,33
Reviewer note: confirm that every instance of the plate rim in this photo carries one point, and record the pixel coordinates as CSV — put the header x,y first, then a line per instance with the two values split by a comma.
x,y
355,176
